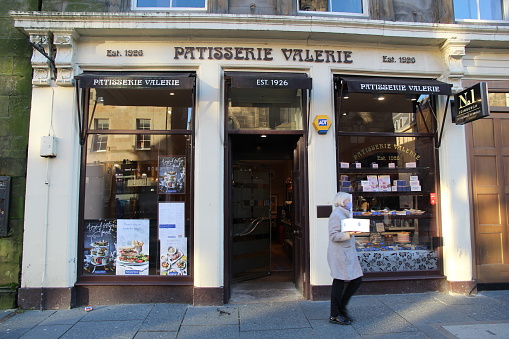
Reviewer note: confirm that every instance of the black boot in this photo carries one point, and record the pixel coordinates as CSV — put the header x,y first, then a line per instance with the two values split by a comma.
x,y
339,320
345,315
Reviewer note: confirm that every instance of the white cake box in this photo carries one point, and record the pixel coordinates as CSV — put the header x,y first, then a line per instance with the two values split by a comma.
x,y
355,225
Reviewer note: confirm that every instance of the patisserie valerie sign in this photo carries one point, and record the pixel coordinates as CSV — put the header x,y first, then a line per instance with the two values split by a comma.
x,y
246,53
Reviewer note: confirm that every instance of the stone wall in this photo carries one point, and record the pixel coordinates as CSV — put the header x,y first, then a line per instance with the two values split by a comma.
x,y
15,91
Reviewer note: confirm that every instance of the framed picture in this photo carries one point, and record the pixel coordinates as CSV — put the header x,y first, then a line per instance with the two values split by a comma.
x,y
273,203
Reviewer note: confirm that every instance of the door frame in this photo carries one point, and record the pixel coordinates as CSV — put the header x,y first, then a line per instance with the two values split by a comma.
x,y
228,175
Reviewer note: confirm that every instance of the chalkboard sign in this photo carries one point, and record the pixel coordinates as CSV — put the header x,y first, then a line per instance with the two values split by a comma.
x,y
5,188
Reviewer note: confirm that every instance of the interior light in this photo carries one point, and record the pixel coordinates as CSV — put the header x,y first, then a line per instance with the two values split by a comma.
x,y
172,93
378,96
263,136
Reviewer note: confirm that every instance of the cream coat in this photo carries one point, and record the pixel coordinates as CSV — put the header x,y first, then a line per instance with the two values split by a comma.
x,y
341,253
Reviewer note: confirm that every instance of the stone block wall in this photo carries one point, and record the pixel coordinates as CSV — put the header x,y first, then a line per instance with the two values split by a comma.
x,y
15,91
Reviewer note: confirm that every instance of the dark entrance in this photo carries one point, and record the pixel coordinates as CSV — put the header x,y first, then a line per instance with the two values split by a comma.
x,y
266,214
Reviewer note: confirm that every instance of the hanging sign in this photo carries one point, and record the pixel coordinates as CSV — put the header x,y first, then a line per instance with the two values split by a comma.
x,y
471,104
322,124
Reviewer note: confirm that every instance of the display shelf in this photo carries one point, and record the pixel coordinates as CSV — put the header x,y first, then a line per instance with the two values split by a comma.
x,y
383,170
394,216
388,194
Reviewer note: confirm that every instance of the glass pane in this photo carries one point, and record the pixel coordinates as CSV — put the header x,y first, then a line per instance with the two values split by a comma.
x,y
491,9
129,195
125,108
347,6
465,9
362,112
265,109
153,3
391,188
314,5
498,99
189,3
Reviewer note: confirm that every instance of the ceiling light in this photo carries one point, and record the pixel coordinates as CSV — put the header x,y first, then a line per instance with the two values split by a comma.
x,y
378,96
263,136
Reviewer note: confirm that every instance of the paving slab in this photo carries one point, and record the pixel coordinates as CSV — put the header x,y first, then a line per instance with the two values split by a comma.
x,y
164,318
158,334
476,331
22,322
392,299
486,310
118,312
272,316
209,331
458,299
211,315
315,310
420,313
381,320
65,317
46,332
324,329
126,329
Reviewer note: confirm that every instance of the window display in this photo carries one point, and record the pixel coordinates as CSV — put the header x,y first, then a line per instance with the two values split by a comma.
x,y
136,207
387,162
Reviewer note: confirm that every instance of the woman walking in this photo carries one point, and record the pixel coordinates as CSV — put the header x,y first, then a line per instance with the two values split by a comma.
x,y
343,262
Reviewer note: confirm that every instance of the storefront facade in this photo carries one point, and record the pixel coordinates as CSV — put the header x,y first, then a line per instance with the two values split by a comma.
x,y
172,149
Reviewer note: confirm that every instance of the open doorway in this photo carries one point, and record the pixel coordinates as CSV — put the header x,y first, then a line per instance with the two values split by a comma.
x,y
263,226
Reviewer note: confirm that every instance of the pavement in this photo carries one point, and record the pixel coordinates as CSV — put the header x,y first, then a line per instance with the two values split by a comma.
x,y
417,315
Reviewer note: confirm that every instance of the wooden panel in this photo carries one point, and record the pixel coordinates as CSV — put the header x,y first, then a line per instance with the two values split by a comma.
x,y
488,209
486,171
483,133
506,172
490,248
504,126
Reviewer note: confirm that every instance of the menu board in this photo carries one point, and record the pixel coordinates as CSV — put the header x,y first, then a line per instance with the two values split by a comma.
x,y
133,237
172,175
99,247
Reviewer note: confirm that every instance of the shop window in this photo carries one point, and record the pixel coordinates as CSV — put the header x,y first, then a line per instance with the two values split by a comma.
x,y
100,141
387,161
334,6
479,9
498,99
169,4
137,203
143,140
265,109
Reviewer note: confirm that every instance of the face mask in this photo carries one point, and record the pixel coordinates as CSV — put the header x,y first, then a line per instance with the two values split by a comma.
x,y
348,205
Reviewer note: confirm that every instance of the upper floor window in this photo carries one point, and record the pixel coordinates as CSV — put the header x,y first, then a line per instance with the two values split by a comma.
x,y
100,141
479,9
334,6
169,4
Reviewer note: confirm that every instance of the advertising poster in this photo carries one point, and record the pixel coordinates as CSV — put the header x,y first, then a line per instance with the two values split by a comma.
x,y
99,247
132,246
173,256
172,238
172,175
171,220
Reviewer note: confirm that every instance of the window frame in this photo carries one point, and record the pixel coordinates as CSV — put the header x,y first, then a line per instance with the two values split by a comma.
x,y
134,7
142,139
505,15
126,280
365,10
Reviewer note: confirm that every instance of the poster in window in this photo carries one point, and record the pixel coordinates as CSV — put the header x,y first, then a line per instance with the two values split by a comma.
x,y
171,216
172,174
100,238
173,256
133,237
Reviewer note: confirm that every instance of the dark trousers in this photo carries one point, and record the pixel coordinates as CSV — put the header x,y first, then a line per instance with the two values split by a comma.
x,y
340,294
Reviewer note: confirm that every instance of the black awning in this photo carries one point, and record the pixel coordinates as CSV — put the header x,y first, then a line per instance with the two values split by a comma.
x,y
269,80
136,80
361,84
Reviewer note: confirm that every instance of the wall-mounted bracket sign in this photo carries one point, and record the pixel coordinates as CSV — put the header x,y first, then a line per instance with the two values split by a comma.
x,y
5,185
471,104
322,124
